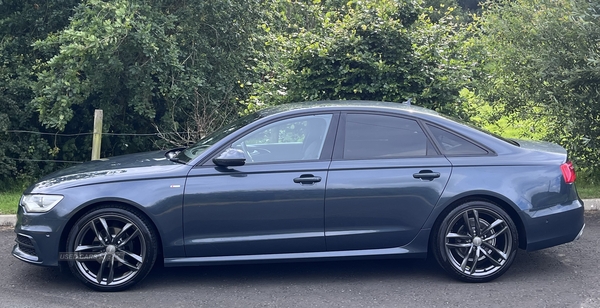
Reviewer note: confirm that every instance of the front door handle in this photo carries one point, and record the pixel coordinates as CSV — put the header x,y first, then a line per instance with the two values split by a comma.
x,y
307,179
426,175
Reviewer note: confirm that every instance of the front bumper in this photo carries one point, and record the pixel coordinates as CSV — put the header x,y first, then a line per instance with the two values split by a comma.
x,y
38,238
25,249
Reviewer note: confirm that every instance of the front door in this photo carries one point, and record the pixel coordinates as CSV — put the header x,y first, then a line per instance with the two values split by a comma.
x,y
273,204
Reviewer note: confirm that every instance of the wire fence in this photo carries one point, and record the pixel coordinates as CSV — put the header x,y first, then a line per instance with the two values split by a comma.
x,y
47,160
77,135
88,134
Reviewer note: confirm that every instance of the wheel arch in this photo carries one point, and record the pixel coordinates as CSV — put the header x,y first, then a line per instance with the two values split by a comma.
x,y
84,209
498,200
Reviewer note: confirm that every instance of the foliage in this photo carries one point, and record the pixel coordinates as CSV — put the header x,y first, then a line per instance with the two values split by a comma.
x,y
373,50
448,58
147,64
523,68
152,66
544,54
168,66
21,23
520,124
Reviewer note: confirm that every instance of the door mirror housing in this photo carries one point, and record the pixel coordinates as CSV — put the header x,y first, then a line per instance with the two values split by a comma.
x,y
230,158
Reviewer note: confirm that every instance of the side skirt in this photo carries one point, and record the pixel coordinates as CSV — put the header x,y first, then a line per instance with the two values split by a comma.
x,y
416,249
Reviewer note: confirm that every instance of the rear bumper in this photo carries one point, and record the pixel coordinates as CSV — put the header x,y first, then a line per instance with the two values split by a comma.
x,y
554,226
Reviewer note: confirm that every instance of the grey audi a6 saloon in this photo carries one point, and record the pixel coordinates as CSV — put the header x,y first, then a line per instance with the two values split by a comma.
x,y
321,181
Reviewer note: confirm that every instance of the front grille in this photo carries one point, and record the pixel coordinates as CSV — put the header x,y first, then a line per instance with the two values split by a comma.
x,y
25,245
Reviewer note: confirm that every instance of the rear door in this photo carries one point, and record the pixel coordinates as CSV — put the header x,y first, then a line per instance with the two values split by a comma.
x,y
385,178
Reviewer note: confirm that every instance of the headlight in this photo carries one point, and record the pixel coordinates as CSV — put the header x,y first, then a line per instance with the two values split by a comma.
x,y
40,203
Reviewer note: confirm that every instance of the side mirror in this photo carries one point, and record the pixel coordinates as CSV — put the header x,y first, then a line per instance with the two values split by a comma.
x,y
230,158
173,152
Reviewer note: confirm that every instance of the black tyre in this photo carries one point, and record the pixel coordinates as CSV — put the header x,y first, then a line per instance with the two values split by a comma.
x,y
111,248
476,242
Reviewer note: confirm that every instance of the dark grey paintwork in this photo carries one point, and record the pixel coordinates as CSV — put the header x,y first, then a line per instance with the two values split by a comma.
x,y
209,214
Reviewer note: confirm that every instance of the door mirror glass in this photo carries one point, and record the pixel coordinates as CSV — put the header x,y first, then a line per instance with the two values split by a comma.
x,y
230,158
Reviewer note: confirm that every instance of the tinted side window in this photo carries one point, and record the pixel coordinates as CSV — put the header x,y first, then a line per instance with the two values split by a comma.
x,y
377,136
300,138
455,145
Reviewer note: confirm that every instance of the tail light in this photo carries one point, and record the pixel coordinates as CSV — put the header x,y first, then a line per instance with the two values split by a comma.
x,y
568,172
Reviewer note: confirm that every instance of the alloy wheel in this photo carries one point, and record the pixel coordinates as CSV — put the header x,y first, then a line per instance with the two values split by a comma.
x,y
477,242
111,249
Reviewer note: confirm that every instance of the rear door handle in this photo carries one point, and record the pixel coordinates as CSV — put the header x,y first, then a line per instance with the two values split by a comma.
x,y
307,179
426,175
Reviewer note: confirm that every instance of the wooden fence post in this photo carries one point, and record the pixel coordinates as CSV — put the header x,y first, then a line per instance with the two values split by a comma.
x,y
96,141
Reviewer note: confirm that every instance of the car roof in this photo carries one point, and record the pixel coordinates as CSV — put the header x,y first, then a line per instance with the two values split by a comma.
x,y
465,130
346,105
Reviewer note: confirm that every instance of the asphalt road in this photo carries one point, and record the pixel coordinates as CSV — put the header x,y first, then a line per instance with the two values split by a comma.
x,y
563,276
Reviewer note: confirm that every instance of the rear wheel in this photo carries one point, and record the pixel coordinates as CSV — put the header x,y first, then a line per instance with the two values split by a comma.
x,y
476,242
111,248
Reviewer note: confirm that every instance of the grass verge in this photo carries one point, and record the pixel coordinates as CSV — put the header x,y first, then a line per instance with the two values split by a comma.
x,y
587,191
9,202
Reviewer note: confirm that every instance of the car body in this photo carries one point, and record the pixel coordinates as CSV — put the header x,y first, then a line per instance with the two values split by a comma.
x,y
321,180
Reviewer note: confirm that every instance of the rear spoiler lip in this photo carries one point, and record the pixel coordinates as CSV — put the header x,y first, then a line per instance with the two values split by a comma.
x,y
543,146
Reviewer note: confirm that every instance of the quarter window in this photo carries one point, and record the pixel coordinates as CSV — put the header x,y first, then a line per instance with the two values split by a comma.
x,y
370,136
455,145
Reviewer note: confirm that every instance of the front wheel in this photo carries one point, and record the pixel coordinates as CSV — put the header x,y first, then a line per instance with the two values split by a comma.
x,y
476,242
111,248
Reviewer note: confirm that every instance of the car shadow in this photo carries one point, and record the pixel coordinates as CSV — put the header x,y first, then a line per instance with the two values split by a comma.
x,y
533,266
295,272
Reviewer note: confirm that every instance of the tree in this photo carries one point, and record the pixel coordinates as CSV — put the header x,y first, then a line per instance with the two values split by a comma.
x,y
372,50
181,69
164,65
22,22
544,54
152,66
